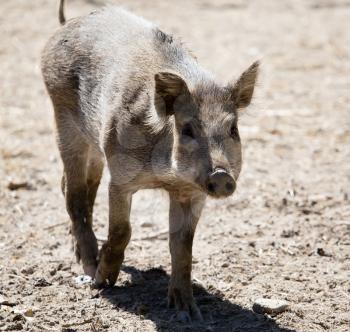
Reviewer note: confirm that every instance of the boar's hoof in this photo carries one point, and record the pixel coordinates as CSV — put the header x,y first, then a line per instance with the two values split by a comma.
x,y
187,317
90,270
106,278
183,317
186,310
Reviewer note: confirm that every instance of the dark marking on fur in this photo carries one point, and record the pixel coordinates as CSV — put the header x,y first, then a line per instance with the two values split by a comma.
x,y
136,120
163,37
138,112
235,133
146,102
131,96
75,76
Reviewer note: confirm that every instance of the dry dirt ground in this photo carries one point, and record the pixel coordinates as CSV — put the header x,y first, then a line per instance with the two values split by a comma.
x,y
286,232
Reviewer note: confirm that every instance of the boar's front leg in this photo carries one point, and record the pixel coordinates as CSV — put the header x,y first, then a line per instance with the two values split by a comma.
x,y
119,232
183,219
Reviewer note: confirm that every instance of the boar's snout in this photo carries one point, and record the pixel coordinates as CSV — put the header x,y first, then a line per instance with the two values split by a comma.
x,y
220,183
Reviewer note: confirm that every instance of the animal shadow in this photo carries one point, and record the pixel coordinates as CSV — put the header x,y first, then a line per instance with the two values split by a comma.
x,y
146,295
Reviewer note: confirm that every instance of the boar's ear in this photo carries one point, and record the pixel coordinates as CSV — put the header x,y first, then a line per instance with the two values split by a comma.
x,y
242,90
168,87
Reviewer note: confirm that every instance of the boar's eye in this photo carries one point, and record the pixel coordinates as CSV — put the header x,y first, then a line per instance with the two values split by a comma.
x,y
187,131
234,132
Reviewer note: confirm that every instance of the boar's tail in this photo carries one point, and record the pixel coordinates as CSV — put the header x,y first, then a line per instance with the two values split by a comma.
x,y
61,16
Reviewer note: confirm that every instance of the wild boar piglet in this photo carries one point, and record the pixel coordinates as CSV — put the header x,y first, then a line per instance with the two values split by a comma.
x,y
131,96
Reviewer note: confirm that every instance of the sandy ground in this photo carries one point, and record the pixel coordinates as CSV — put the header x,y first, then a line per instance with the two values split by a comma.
x,y
286,232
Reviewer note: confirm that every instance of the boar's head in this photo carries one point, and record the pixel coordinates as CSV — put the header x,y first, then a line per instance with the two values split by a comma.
x,y
206,148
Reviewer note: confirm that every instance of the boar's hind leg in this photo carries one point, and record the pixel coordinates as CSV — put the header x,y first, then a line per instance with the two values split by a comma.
x,y
74,152
94,174
183,219
119,232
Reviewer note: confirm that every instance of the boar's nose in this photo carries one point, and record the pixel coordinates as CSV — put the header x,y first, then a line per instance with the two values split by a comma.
x,y
220,183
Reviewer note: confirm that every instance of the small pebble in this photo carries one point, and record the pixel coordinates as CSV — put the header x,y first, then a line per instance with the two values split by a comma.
x,y
53,271
83,279
41,282
147,224
322,252
27,271
18,185
29,313
270,306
